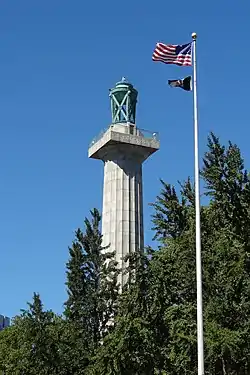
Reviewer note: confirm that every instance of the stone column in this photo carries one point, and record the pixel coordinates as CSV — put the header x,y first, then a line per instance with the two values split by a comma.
x,y
122,215
123,148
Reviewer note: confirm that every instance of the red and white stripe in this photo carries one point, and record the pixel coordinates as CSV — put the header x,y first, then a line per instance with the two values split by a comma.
x,y
166,54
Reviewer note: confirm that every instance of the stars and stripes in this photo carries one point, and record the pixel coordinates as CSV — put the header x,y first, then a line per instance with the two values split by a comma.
x,y
173,54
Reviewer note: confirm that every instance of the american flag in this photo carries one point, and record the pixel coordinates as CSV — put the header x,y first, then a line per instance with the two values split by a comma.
x,y
173,54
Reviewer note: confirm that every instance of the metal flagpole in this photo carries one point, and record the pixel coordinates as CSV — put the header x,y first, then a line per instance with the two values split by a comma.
x,y
197,223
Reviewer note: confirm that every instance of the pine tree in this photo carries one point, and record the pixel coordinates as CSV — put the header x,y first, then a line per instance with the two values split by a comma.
x,y
228,186
227,259
226,276
171,214
155,329
92,288
30,345
128,348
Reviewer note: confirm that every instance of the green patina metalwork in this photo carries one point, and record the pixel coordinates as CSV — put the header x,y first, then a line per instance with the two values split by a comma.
x,y
123,102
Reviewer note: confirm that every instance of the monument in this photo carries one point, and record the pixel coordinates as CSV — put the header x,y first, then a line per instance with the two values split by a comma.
x,y
123,148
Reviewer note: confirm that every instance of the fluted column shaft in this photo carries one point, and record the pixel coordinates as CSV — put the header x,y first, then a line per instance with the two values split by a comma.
x,y
122,215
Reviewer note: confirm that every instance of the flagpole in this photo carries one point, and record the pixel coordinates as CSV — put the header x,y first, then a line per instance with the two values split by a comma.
x,y
200,345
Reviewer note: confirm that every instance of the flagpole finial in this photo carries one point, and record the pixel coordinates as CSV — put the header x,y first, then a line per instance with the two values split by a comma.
x,y
194,36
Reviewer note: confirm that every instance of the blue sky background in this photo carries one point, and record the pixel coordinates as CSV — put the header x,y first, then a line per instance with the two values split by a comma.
x,y
58,59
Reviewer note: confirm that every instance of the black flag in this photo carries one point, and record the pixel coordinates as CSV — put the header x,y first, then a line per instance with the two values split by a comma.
x,y
185,83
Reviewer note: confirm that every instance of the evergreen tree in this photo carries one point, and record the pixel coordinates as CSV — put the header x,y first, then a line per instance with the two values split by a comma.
x,y
228,185
92,289
155,330
128,348
171,214
227,259
226,277
30,345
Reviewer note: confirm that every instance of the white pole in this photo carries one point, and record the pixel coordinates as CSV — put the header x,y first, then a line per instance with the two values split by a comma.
x,y
198,224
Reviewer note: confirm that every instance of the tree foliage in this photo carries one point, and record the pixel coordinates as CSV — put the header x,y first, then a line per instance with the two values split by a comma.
x,y
150,327
31,344
169,309
92,289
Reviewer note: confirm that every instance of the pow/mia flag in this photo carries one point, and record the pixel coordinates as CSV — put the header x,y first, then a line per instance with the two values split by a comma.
x,y
185,83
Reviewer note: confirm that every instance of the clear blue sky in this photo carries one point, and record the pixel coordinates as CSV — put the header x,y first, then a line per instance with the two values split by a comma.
x,y
58,60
